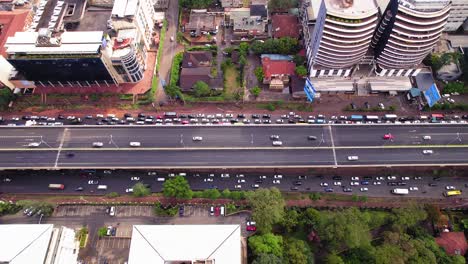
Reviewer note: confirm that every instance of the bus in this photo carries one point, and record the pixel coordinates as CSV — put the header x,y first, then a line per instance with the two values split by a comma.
x,y
452,193
55,186
400,191
372,118
390,117
170,114
357,118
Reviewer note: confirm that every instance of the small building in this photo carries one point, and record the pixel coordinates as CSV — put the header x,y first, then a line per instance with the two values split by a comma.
x,y
195,59
284,26
231,3
198,244
276,71
454,243
161,4
296,89
426,84
251,21
196,66
450,72
201,22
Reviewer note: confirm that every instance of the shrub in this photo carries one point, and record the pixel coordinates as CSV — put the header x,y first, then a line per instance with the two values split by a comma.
x,y
259,74
112,195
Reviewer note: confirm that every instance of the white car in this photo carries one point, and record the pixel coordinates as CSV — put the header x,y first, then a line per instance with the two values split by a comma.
x,y
208,180
380,178
276,137
93,182
135,178
277,143
391,177
129,190
427,137
262,177
324,184
224,175
352,158
276,181
278,176
135,144
427,151
413,188
197,138
449,187
240,176
238,186
364,189
354,183
377,183
241,181
337,183
171,175
98,144
355,178
34,144
405,178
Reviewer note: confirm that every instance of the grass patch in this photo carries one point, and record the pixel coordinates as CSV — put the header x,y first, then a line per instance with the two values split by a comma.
x,y
232,87
192,99
82,235
160,210
280,105
126,97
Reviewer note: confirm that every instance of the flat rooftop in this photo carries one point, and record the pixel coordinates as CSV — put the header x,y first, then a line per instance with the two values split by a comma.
x,y
351,8
94,19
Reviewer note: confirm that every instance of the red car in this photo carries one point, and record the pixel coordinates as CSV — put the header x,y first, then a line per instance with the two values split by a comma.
x,y
388,136
251,228
216,211
185,122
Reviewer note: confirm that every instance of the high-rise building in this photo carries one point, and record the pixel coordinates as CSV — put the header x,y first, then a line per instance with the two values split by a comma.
x,y
458,15
341,36
407,32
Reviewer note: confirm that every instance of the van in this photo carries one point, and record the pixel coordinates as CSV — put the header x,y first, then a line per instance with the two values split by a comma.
x,y
102,187
112,211
222,211
161,179
427,137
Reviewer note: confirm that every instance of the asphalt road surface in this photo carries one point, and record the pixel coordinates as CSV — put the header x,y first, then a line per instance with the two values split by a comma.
x,y
233,146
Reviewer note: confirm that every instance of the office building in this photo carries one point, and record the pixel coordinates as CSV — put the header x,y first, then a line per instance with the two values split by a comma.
x,y
458,14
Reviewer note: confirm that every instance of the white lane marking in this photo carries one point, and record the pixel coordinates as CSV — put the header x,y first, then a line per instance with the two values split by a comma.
x,y
60,146
333,145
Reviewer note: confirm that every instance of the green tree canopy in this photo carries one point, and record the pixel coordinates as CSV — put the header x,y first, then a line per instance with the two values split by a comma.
x,y
267,259
284,45
333,258
282,4
301,70
201,89
408,216
259,74
177,187
267,208
455,87
140,190
211,194
194,4
256,91
5,97
266,244
296,252
290,220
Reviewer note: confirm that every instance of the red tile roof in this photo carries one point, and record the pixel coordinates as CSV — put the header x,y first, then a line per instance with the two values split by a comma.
x,y
452,241
277,67
12,21
285,26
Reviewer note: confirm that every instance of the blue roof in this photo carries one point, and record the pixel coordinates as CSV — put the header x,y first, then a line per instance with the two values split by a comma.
x,y
277,57
432,95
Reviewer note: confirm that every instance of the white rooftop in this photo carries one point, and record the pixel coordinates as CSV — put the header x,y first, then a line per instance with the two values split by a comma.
x,y
164,243
351,8
123,8
24,244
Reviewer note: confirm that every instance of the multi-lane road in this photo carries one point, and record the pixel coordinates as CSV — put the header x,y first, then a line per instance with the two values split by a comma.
x,y
233,146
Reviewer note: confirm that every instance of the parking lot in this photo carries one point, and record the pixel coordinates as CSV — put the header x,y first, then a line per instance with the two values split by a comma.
x,y
86,210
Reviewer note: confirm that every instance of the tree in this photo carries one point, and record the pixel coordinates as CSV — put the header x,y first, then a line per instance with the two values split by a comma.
x,y
360,255
334,259
290,220
201,89
211,194
266,244
195,4
267,259
301,70
407,217
455,87
5,97
267,208
177,187
389,254
140,190
312,218
281,4
256,91
259,74
284,45
102,232
296,252
226,193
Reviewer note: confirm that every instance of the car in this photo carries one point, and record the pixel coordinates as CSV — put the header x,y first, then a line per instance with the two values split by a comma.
x,y
208,180
224,175
365,183
277,143
364,189
181,210
278,176
392,178
405,178
239,175
377,183
427,151
353,158
251,226
294,188
302,177
255,116
259,181
274,137
255,186
337,178
152,173
135,178
324,184
79,189
347,189
413,188
98,144
311,137
70,155
427,137
276,181
135,144
6,180
197,138
436,178
297,183
388,136
354,183
34,144
129,190
237,186
380,178
391,183
449,187
211,211
417,177
401,183
329,189
279,121
432,184
93,182
262,177
240,181
337,183
355,178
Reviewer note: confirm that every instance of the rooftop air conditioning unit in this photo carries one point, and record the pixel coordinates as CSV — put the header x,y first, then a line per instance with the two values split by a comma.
x,y
120,40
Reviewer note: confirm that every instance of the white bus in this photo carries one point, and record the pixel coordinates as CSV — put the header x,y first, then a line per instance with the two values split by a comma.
x,y
390,117
372,118
400,191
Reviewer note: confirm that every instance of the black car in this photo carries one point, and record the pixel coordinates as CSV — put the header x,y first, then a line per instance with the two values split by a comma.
x,y
113,231
401,183
79,189
258,181
127,115
181,210
99,123
240,116
182,116
391,183
436,178
367,178
255,116
337,178
266,116
192,116
60,117
141,115
432,184
89,117
70,155
291,121
347,189
294,188
297,183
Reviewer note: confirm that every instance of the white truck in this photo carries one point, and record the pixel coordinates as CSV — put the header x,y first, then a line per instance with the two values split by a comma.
x,y
400,191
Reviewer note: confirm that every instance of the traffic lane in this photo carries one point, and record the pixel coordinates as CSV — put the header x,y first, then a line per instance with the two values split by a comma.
x,y
188,158
27,159
403,135
183,136
402,156
21,137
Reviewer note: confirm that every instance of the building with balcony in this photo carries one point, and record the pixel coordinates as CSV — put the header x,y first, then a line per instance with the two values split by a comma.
x,y
341,37
458,15
407,33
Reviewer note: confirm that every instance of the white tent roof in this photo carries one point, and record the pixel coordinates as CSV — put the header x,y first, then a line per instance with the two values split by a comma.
x,y
24,244
161,243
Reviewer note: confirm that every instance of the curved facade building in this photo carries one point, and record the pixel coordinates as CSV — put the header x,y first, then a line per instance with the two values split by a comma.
x,y
407,32
342,36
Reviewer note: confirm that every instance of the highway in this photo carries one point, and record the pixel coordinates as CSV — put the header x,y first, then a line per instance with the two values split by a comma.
x,y
233,146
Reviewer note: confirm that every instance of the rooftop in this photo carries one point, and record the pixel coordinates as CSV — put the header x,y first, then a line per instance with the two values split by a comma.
x,y
285,26
425,5
258,10
29,245
185,243
454,243
277,67
12,21
201,21
351,8
193,59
